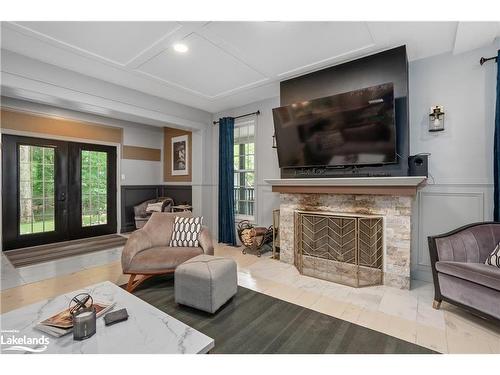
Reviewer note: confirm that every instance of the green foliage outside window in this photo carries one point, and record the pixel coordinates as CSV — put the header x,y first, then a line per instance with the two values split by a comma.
x,y
37,194
94,187
36,189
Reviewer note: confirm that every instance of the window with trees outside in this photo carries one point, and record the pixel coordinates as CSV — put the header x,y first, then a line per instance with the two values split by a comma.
x,y
244,169
36,189
94,188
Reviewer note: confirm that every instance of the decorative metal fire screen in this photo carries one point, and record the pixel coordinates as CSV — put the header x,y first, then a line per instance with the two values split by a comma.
x,y
342,248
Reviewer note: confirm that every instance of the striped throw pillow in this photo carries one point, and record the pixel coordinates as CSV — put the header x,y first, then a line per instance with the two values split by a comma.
x,y
186,231
494,258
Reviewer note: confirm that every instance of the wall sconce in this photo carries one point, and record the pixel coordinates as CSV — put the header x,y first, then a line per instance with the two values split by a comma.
x,y
274,141
436,119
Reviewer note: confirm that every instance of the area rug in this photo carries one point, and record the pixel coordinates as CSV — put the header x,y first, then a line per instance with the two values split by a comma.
x,y
28,256
254,323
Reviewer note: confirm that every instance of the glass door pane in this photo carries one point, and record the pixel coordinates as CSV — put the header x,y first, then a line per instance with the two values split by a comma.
x,y
36,189
94,174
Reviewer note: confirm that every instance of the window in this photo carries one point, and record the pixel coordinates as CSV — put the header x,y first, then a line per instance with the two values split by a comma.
x,y
94,188
36,189
244,169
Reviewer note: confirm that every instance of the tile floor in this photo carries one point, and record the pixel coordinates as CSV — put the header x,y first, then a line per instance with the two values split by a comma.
x,y
404,314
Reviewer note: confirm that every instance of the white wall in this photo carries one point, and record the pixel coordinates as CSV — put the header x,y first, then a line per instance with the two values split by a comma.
x,y
460,189
266,160
202,175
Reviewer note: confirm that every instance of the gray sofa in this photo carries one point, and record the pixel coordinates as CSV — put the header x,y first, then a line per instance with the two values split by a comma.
x,y
458,269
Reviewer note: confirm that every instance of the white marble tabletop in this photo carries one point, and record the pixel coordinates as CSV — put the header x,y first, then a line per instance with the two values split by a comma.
x,y
147,330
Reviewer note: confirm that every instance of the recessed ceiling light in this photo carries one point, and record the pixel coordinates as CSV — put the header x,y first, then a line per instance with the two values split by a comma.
x,y
180,47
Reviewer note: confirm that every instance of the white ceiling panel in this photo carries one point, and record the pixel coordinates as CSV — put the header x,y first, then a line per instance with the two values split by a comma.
x,y
205,68
119,42
283,48
471,35
422,39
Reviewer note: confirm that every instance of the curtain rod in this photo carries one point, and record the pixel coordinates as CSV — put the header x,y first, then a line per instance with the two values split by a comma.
x,y
482,60
248,114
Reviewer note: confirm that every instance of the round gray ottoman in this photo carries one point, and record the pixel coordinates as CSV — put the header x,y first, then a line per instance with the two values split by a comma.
x,y
205,282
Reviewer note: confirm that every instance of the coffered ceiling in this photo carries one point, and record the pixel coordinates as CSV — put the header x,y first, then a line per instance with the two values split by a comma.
x,y
228,63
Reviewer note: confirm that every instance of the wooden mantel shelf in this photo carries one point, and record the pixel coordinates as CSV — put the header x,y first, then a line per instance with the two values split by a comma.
x,y
406,185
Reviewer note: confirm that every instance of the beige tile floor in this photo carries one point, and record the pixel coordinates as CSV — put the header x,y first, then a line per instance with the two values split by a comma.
x,y
404,314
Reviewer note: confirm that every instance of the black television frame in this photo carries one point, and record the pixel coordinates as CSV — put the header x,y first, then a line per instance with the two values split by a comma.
x,y
387,66
343,165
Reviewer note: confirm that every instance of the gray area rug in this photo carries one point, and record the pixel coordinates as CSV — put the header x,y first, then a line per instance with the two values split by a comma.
x,y
28,256
254,323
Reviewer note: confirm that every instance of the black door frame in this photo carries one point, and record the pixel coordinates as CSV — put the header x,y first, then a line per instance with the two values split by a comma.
x,y
74,186
67,195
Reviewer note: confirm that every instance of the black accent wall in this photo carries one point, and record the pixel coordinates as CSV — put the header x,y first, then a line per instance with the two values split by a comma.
x,y
383,67
132,195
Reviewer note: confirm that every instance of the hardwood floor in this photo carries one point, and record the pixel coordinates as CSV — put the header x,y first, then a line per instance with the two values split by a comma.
x,y
255,323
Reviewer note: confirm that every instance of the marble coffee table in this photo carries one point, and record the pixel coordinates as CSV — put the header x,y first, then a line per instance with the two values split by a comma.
x,y
147,330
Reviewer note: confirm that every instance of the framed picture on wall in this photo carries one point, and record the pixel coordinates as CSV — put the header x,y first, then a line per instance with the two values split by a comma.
x,y
180,159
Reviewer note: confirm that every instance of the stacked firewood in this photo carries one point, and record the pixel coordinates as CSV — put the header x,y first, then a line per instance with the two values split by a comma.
x,y
249,236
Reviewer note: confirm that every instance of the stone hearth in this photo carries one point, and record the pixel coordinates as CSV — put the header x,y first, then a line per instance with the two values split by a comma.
x,y
396,211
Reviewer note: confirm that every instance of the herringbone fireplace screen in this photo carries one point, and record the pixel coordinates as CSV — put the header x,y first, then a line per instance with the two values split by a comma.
x,y
342,248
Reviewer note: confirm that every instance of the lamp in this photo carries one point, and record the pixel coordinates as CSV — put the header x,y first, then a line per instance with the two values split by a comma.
x,y
436,119
83,315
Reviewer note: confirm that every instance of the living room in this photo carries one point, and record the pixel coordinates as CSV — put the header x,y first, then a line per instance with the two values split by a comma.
x,y
234,186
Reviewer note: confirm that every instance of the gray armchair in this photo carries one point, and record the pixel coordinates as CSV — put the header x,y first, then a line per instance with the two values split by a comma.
x,y
458,269
147,251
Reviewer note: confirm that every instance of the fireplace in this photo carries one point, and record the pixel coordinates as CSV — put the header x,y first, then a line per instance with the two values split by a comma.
x,y
339,247
384,204
396,214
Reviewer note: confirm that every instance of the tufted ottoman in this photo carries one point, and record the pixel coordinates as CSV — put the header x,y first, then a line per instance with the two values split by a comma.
x,y
205,282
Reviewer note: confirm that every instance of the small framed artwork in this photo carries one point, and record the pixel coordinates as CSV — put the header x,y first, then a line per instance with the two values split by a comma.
x,y
180,156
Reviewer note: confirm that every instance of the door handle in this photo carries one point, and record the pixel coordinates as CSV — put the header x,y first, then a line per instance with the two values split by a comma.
x,y
62,197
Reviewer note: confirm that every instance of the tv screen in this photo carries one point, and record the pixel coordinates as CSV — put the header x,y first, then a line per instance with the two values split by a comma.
x,y
353,128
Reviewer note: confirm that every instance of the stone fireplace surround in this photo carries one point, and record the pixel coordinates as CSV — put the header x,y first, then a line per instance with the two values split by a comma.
x,y
396,209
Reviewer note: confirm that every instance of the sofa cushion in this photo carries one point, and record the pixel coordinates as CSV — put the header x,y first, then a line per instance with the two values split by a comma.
x,y
161,258
475,272
186,231
494,258
474,295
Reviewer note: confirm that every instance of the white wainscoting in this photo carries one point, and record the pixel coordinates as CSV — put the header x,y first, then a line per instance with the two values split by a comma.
x,y
441,208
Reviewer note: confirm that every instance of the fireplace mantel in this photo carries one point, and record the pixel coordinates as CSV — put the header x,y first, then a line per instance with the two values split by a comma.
x,y
402,186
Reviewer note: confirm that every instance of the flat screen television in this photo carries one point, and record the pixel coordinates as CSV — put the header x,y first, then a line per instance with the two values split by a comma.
x,y
349,129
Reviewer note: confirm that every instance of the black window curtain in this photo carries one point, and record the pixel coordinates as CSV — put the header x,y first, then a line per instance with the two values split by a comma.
x,y
496,150
227,231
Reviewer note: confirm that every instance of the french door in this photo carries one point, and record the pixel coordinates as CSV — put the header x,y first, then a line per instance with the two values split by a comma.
x,y
55,191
